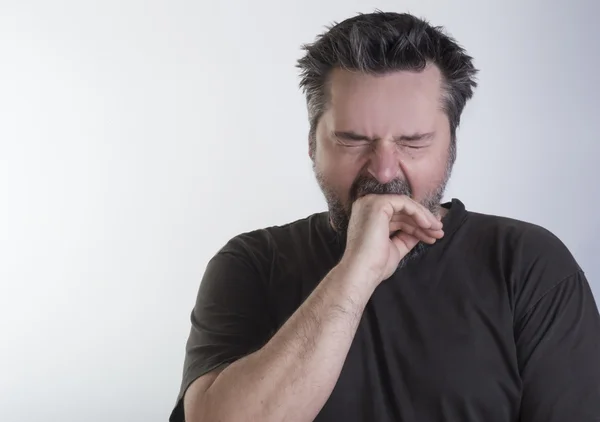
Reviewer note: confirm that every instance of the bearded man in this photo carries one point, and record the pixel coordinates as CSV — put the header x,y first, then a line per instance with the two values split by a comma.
x,y
391,306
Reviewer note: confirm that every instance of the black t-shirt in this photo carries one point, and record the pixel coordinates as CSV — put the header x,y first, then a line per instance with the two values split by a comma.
x,y
494,323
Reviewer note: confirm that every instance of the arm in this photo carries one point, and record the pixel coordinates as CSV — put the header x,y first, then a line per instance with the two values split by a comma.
x,y
290,375
303,360
558,346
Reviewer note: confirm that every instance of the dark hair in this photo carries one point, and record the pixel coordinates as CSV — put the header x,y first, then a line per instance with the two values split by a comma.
x,y
378,43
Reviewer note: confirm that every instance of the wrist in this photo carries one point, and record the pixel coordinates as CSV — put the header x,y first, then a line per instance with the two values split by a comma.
x,y
357,277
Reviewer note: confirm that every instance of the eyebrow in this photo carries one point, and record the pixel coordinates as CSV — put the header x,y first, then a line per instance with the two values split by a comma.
x,y
359,137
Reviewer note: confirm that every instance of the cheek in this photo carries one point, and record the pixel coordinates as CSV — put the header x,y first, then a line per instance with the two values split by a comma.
x,y
338,173
341,176
425,172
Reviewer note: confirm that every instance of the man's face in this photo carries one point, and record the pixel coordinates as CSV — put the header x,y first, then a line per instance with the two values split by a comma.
x,y
382,134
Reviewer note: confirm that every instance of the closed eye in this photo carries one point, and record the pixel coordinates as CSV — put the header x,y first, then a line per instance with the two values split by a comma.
x,y
351,137
351,140
414,141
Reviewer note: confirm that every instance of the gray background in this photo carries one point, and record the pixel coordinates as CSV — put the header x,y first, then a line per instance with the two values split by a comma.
x,y
136,137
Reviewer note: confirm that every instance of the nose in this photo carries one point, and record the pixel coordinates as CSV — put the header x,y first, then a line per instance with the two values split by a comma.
x,y
383,163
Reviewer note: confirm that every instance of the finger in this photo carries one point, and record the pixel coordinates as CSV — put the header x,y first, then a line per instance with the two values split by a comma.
x,y
415,230
432,217
409,221
427,236
404,242
402,204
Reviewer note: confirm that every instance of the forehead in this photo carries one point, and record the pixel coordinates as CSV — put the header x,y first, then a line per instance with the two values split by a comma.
x,y
400,101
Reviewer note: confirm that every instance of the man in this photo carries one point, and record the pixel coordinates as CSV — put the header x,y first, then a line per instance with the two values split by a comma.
x,y
390,306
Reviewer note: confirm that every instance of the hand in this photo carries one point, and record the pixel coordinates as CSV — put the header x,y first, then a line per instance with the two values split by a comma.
x,y
383,229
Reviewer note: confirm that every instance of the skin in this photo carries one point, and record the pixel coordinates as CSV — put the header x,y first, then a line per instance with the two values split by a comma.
x,y
383,127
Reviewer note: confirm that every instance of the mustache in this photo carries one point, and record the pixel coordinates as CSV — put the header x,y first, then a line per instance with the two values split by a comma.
x,y
365,185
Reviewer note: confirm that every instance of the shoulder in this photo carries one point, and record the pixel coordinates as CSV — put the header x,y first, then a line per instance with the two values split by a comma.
x,y
521,239
265,254
531,258
264,243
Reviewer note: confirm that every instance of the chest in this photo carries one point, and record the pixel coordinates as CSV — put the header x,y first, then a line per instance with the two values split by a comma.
x,y
433,350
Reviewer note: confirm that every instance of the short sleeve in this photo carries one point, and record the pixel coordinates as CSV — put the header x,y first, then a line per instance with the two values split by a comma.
x,y
230,318
558,347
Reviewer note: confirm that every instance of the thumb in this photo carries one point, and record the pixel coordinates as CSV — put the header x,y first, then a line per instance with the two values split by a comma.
x,y
403,242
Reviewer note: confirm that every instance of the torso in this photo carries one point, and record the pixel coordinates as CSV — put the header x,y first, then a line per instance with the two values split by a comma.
x,y
436,340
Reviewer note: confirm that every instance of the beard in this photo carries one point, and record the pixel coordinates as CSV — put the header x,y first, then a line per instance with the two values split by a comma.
x,y
340,211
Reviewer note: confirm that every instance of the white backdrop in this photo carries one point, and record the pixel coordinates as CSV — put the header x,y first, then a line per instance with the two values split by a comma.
x,y
136,137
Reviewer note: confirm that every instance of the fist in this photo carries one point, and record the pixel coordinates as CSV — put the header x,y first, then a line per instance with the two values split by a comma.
x,y
383,229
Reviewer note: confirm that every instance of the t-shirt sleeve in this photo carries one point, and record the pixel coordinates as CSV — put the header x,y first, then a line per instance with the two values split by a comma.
x,y
557,339
230,318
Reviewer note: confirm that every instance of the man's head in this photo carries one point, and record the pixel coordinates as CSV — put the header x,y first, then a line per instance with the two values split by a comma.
x,y
385,92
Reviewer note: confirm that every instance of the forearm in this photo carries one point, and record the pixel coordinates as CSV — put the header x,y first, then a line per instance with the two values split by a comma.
x,y
292,376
